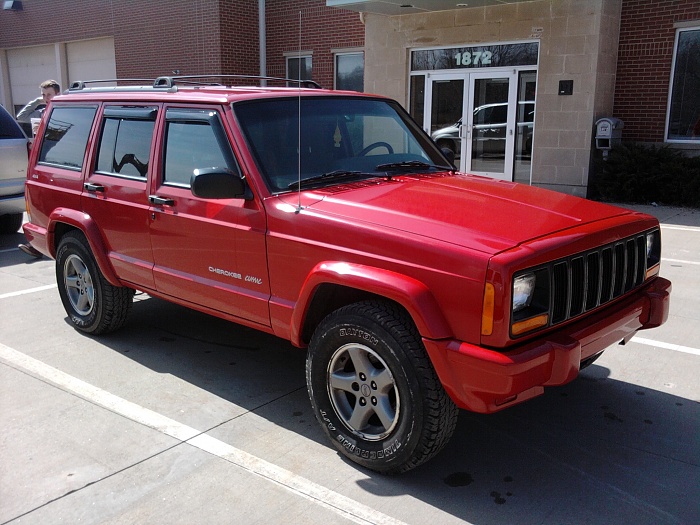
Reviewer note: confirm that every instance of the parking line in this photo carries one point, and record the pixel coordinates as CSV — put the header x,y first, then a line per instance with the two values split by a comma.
x,y
28,290
341,505
668,346
681,261
681,228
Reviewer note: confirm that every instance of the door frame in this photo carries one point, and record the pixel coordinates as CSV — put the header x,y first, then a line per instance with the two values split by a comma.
x,y
465,130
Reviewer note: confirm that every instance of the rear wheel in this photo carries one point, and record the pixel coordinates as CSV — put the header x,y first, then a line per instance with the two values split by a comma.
x,y
93,305
10,222
374,390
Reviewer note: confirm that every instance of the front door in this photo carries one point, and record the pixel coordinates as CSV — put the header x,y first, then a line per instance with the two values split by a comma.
x,y
474,114
209,252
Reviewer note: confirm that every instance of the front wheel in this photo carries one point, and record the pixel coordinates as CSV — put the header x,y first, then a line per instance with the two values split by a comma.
x,y
92,304
374,390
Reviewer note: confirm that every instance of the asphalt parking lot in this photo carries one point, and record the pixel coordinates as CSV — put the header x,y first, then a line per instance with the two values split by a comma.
x,y
184,418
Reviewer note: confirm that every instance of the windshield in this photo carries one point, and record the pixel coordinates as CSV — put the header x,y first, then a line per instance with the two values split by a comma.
x,y
338,135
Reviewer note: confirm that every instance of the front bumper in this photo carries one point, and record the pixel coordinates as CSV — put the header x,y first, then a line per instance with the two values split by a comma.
x,y
485,380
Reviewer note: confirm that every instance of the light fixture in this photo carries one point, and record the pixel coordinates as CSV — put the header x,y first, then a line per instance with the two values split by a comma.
x,y
12,5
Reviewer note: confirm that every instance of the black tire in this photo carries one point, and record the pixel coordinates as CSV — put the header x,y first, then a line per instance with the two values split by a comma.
x,y
374,390
93,305
10,222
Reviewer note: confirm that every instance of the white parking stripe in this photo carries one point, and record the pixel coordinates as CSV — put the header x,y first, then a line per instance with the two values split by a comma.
x,y
667,346
343,506
681,228
681,261
28,290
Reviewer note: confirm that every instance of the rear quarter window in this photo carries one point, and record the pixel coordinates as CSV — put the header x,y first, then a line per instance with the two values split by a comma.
x,y
66,135
9,129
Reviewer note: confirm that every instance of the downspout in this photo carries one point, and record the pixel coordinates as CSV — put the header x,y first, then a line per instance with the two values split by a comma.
x,y
263,41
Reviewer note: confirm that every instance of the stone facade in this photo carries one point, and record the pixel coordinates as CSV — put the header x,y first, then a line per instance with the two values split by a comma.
x,y
578,41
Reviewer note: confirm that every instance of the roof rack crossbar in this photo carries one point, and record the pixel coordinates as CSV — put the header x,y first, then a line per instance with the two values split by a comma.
x,y
169,81
82,84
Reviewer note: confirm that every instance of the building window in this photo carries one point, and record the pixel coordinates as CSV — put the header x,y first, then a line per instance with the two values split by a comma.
x,y
684,99
350,71
299,67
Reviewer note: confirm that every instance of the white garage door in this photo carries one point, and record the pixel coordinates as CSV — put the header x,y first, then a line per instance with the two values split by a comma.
x,y
91,59
30,66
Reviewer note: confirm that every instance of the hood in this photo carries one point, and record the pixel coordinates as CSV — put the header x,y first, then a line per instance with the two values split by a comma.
x,y
479,213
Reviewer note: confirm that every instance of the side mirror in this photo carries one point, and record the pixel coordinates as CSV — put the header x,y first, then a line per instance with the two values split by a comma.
x,y
218,183
449,155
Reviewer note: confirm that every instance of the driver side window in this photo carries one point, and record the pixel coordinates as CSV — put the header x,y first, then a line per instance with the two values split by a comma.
x,y
193,143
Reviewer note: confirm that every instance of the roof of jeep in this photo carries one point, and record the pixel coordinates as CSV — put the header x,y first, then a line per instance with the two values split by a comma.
x,y
193,88
199,95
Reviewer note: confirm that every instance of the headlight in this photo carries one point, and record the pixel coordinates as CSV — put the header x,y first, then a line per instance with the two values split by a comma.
x,y
650,243
653,252
523,290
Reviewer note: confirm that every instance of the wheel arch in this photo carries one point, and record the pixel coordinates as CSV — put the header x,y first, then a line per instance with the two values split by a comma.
x,y
62,221
331,285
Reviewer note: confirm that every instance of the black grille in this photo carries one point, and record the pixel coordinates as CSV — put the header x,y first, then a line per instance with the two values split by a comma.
x,y
588,280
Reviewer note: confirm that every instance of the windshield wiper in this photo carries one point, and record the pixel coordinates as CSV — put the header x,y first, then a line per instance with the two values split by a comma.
x,y
410,165
331,176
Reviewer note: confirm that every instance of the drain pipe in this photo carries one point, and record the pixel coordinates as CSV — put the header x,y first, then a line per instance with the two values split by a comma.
x,y
262,30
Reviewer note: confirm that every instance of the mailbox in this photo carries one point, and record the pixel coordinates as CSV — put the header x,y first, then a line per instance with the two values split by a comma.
x,y
608,133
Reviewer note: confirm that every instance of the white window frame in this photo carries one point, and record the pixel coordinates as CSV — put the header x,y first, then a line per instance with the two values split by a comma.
x,y
681,27
346,52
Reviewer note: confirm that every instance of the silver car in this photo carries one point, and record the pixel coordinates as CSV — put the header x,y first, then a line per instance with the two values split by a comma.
x,y
13,172
489,129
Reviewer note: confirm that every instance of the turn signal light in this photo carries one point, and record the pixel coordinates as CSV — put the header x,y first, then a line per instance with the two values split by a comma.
x,y
529,324
487,310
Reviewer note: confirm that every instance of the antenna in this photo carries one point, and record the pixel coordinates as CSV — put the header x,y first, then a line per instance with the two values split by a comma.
x,y
299,208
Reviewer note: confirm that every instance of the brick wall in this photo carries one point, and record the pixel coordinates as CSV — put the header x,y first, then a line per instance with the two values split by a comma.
x,y
151,38
323,29
647,35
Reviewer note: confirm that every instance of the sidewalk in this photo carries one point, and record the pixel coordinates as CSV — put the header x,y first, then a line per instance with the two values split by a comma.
x,y
668,215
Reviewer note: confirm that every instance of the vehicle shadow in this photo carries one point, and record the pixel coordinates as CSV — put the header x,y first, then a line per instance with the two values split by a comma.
x,y
596,451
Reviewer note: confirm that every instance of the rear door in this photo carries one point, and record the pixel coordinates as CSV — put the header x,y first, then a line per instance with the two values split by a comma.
x,y
210,252
116,190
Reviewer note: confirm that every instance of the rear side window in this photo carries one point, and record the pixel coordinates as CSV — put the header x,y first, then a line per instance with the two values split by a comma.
x,y
66,136
125,142
9,129
194,139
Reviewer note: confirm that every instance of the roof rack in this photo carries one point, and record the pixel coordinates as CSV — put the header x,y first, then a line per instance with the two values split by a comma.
x,y
169,83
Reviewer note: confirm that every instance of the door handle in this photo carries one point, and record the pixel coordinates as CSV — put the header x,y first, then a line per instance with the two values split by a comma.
x,y
89,186
162,201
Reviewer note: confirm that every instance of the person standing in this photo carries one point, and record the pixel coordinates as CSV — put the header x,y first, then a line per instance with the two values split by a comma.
x,y
49,89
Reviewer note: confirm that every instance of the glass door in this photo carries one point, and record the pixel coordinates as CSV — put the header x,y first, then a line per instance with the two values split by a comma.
x,y
473,115
445,98
490,124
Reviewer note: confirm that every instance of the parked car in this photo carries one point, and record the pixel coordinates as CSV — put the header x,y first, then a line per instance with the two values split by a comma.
x,y
489,130
13,172
330,219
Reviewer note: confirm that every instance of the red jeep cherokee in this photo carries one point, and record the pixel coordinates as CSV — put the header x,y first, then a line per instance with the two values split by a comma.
x,y
332,220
